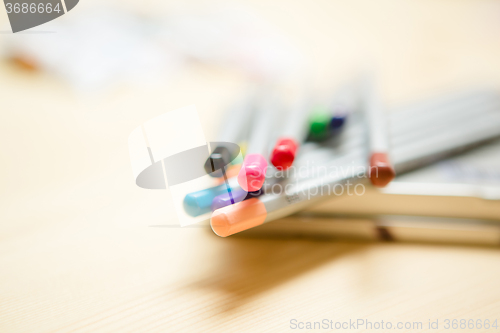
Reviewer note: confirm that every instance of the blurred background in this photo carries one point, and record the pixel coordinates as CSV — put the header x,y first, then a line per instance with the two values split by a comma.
x,y
75,240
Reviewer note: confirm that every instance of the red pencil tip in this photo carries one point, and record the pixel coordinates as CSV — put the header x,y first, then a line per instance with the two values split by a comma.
x,y
283,153
381,171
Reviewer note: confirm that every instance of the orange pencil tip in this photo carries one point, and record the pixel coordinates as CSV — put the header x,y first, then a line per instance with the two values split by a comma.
x,y
238,217
381,172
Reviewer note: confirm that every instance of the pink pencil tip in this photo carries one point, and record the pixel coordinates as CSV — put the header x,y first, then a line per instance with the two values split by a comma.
x,y
253,172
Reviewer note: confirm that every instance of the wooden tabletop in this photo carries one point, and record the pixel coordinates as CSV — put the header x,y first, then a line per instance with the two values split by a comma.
x,y
77,253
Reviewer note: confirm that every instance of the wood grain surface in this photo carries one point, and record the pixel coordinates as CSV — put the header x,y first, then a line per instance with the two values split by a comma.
x,y
77,253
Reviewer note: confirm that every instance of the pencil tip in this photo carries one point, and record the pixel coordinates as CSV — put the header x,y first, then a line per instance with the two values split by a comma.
x,y
283,153
381,172
252,173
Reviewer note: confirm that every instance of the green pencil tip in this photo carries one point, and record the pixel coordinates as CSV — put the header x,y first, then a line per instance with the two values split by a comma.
x,y
319,121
